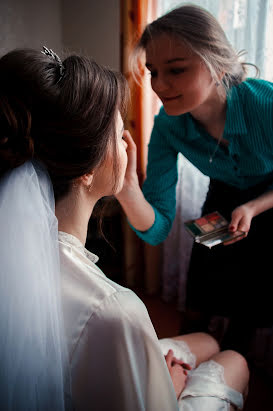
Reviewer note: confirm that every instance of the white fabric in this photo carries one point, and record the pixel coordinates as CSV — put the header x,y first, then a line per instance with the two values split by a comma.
x,y
191,190
32,350
116,361
206,388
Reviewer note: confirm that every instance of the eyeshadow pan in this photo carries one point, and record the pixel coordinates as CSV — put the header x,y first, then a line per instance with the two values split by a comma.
x,y
207,228
218,225
201,221
194,229
213,216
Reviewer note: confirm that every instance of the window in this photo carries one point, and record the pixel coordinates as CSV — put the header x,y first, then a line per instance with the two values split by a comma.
x,y
248,25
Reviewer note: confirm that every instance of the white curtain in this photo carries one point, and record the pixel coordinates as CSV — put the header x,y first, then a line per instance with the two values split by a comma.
x,y
249,26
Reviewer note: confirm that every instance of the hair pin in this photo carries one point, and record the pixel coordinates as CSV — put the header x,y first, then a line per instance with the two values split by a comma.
x,y
50,53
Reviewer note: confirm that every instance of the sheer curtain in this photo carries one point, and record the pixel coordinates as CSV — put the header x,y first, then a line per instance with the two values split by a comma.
x,y
249,26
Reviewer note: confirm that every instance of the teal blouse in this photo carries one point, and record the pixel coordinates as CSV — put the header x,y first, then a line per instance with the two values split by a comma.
x,y
245,162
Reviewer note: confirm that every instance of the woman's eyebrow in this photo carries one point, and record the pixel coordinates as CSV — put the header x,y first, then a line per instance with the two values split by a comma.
x,y
176,59
173,60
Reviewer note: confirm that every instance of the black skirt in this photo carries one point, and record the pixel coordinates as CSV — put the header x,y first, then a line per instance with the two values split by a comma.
x,y
234,280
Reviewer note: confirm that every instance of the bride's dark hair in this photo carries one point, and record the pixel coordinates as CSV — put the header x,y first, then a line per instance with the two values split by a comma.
x,y
68,123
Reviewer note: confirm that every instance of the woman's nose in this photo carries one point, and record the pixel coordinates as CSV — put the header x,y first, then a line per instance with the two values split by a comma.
x,y
159,84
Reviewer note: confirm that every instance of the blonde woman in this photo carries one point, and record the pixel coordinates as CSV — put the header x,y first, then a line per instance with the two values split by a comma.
x,y
222,122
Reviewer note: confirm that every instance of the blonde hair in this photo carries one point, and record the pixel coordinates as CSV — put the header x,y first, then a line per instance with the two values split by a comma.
x,y
201,32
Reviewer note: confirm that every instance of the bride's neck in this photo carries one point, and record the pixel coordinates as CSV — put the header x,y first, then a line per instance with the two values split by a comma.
x,y
73,213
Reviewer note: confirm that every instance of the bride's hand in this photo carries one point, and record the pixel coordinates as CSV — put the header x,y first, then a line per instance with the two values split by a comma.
x,y
178,372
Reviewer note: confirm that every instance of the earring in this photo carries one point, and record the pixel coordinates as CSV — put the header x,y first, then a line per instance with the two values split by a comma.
x,y
217,83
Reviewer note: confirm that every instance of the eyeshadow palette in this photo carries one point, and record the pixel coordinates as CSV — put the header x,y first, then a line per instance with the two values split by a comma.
x,y
211,229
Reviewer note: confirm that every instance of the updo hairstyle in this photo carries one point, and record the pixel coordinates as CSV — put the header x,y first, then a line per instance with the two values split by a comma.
x,y
67,123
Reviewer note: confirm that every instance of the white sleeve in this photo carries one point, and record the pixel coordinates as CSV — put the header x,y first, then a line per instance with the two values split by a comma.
x,y
118,364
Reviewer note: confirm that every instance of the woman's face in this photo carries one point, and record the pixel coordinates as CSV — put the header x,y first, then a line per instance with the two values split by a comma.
x,y
178,76
104,176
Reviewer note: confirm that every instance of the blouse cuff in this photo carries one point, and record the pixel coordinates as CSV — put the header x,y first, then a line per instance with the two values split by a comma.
x,y
156,233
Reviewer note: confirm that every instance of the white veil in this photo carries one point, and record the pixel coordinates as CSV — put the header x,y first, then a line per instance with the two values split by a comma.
x,y
33,356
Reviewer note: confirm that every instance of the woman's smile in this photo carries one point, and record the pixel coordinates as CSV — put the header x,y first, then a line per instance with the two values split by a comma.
x,y
179,77
167,99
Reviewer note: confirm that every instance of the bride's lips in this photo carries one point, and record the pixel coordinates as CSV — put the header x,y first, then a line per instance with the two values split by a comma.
x,y
167,99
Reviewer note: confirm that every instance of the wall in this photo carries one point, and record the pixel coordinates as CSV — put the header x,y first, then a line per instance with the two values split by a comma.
x,y
30,23
91,27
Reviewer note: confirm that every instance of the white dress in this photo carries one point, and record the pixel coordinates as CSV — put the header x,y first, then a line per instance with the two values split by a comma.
x,y
116,360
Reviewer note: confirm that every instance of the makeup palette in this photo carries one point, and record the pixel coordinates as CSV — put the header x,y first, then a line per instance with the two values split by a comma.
x,y
211,229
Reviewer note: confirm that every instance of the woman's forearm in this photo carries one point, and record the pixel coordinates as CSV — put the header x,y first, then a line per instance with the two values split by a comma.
x,y
242,216
138,210
261,203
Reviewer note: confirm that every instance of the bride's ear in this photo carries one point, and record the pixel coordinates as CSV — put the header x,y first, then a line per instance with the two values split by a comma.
x,y
86,180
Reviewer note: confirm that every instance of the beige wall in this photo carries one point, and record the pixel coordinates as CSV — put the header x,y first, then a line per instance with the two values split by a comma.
x,y
90,27
30,23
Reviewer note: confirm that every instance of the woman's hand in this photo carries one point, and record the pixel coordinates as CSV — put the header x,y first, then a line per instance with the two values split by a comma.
x,y
178,372
241,218
131,179
137,209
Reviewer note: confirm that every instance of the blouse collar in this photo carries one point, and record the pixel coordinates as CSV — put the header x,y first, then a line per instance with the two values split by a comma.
x,y
76,243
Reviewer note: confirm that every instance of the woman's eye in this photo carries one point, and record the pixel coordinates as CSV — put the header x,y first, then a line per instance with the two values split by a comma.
x,y
153,73
177,70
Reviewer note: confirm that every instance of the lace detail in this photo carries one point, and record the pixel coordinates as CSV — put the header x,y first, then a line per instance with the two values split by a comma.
x,y
75,242
211,370
180,349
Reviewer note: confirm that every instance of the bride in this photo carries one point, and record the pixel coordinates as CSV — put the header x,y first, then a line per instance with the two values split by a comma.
x,y
71,337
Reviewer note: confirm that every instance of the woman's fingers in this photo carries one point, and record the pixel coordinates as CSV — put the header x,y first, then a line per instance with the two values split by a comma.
x,y
129,139
240,221
244,225
235,219
240,224
234,240
131,151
